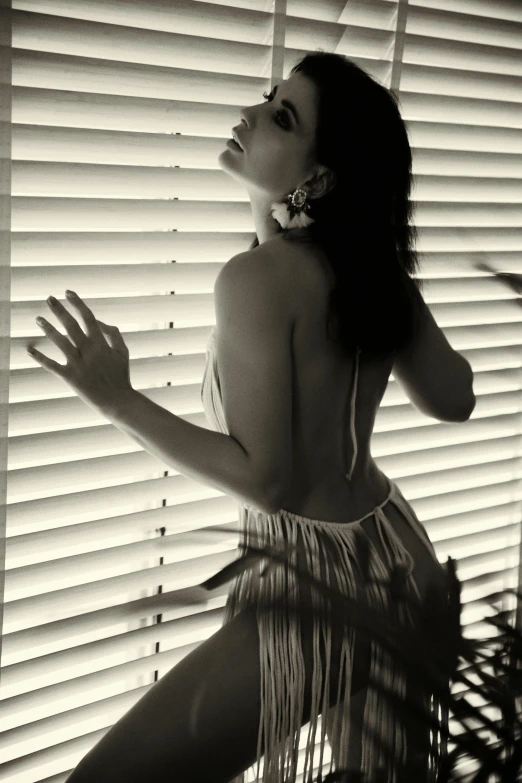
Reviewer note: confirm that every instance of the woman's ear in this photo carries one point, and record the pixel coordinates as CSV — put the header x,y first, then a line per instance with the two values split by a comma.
x,y
322,182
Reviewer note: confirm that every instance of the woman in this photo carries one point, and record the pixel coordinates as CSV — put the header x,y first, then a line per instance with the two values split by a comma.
x,y
333,139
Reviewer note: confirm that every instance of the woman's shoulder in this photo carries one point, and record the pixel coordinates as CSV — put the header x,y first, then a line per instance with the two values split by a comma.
x,y
305,263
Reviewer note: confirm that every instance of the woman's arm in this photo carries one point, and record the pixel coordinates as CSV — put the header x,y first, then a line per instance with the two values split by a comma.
x,y
209,457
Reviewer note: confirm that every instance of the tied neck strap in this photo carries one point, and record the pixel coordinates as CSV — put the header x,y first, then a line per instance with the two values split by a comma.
x,y
352,415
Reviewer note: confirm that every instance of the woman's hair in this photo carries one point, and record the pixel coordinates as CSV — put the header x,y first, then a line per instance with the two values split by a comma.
x,y
363,221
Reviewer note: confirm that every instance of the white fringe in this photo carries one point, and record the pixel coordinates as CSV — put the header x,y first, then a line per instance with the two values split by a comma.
x,y
281,653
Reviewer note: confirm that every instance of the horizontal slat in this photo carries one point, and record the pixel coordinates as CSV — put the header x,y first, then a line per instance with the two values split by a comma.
x,y
57,605
74,633
243,63
101,249
185,310
73,180
102,181
444,250
501,10
174,277
136,151
468,83
145,372
60,446
185,369
499,132
87,110
158,16
129,148
57,757
43,35
435,121
483,288
70,570
63,413
223,42
60,214
47,26
31,515
456,22
183,16
228,84
433,39
433,36
99,656
213,524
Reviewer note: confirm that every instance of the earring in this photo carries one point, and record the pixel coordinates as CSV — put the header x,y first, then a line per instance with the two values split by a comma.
x,y
293,211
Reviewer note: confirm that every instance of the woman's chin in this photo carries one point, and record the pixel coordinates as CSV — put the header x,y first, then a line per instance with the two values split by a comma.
x,y
226,159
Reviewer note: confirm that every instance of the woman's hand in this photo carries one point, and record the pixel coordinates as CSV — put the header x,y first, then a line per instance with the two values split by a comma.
x,y
97,371
514,281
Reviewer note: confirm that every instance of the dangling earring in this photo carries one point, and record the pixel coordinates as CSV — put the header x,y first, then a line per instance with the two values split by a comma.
x,y
293,211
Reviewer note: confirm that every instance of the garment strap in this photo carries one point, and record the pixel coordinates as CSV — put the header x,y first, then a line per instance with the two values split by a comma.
x,y
352,414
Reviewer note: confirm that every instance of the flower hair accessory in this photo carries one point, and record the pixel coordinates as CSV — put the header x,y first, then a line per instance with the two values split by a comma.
x,y
293,211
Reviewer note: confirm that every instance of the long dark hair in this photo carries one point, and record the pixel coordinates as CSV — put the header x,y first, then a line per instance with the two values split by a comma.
x,y
363,222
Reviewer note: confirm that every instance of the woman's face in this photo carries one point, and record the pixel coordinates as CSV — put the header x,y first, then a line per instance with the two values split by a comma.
x,y
278,147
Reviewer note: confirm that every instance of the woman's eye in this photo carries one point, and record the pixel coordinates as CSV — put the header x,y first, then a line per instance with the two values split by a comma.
x,y
278,113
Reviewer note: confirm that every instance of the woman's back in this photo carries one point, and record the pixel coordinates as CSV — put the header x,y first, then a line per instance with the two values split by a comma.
x,y
323,380
329,386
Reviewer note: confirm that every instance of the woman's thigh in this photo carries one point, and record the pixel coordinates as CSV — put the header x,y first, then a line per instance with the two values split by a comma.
x,y
199,722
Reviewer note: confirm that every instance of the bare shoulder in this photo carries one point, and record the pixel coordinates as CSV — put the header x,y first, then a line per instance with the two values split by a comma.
x,y
305,272
299,266
285,276
250,288
270,268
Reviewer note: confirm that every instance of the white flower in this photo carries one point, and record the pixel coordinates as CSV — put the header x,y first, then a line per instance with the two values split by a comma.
x,y
281,213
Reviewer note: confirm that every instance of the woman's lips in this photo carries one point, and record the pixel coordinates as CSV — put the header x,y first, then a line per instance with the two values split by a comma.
x,y
236,138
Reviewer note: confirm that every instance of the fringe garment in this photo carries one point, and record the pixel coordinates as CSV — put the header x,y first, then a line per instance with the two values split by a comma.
x,y
281,653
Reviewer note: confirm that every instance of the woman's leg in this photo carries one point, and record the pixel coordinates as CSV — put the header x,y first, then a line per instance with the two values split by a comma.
x,y
199,722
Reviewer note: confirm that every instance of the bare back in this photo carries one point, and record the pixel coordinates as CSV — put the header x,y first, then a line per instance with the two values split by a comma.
x,y
323,378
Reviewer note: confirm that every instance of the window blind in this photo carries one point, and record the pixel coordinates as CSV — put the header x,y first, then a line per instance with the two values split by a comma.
x,y
119,113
